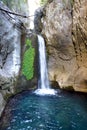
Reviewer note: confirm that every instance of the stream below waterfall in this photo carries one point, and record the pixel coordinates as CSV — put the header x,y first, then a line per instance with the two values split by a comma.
x,y
63,111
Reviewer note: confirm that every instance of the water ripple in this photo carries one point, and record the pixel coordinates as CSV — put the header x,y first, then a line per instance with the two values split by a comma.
x,y
33,112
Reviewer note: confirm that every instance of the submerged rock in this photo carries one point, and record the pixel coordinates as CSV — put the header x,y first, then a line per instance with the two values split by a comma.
x,y
64,28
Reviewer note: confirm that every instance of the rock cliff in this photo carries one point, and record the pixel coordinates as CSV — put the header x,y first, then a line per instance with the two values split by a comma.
x,y
18,56
63,24
10,53
64,27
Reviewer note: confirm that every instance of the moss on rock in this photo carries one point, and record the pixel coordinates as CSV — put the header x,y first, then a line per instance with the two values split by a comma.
x,y
28,61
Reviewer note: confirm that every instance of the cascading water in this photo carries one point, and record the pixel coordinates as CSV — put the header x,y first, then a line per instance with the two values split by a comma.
x,y
43,85
44,82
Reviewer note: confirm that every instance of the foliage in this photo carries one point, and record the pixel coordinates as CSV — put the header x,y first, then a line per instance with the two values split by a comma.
x,y
72,2
28,61
42,2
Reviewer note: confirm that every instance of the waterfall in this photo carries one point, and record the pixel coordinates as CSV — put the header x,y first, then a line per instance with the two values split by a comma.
x,y
44,82
43,85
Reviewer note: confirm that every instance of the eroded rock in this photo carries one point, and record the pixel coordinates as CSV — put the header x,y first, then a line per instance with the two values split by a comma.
x,y
10,51
65,32
80,43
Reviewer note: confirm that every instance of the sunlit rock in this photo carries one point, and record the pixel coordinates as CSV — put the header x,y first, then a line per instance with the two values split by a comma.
x,y
64,28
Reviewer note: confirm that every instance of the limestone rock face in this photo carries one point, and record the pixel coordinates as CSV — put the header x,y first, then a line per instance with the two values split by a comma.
x,y
65,31
80,43
9,53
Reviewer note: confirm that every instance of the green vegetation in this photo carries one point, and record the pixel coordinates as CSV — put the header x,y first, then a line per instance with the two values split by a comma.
x,y
28,61
42,2
72,2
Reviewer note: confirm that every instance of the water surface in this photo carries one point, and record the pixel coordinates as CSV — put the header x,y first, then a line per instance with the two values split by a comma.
x,y
27,111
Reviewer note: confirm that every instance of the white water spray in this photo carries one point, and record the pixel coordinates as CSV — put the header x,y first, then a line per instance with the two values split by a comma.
x,y
43,85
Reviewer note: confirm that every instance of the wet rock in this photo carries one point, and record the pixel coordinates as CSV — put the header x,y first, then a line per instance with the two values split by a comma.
x,y
23,82
54,84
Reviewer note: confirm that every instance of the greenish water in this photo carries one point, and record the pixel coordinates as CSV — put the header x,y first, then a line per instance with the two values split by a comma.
x,y
27,111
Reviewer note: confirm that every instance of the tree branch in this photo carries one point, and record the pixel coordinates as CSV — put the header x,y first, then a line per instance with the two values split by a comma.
x,y
24,16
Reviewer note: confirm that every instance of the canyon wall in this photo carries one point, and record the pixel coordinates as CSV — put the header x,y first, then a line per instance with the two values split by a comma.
x,y
18,56
64,27
10,54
